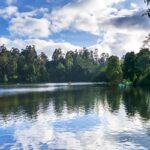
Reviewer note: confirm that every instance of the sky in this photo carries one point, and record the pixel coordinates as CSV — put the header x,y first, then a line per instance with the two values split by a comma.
x,y
111,26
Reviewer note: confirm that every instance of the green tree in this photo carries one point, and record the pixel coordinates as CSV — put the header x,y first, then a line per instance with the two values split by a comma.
x,y
28,65
4,63
69,60
146,42
143,66
57,55
103,59
142,62
129,66
43,75
60,72
114,72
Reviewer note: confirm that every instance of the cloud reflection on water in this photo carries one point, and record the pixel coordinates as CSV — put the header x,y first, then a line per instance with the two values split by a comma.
x,y
111,132
63,124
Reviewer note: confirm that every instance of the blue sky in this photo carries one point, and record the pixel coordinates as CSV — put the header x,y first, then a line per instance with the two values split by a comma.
x,y
112,26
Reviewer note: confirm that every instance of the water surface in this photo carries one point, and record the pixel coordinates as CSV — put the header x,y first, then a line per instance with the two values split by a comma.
x,y
76,116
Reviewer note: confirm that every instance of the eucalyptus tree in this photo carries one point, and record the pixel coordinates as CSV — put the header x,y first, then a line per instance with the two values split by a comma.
x,y
114,71
129,66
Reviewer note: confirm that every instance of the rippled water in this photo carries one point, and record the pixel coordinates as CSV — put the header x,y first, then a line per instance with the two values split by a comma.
x,y
76,117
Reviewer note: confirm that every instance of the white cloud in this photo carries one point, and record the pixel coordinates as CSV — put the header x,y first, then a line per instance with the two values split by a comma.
x,y
89,16
83,15
114,131
8,12
30,27
46,46
99,18
120,43
26,24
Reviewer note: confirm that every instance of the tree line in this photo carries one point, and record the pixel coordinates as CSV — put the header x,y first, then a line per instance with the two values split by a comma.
x,y
26,66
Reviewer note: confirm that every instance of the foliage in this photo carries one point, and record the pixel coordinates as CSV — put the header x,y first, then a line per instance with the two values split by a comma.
x,y
75,66
29,67
114,71
129,66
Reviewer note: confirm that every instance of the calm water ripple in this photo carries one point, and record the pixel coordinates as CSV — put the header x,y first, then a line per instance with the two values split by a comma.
x,y
84,117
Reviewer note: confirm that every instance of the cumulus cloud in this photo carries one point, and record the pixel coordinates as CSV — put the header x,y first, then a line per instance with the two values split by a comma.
x,y
85,15
110,19
46,46
8,12
106,20
31,27
120,43
26,24
114,131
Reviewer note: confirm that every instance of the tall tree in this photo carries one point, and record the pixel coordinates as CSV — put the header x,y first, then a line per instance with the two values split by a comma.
x,y
103,59
143,66
43,75
114,71
129,66
142,62
28,65
57,55
4,63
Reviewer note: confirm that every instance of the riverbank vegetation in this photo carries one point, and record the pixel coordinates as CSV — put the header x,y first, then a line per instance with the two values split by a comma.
x,y
26,66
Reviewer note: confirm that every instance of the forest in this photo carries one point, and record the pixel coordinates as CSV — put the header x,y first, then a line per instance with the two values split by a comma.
x,y
26,66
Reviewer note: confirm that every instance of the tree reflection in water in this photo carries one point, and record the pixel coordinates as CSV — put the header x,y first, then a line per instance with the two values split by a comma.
x,y
135,100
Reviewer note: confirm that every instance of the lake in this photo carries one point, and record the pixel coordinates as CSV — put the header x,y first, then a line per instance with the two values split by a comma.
x,y
74,117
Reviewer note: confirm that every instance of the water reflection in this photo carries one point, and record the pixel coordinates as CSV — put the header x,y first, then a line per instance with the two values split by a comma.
x,y
84,117
137,101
